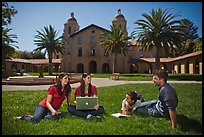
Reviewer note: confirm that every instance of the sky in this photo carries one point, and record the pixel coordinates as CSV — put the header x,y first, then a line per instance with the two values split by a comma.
x,y
34,16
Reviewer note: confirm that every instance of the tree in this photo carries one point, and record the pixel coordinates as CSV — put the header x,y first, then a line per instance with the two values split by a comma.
x,y
38,55
8,40
158,30
115,41
48,40
191,30
198,46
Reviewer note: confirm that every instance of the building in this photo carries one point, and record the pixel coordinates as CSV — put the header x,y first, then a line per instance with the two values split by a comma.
x,y
85,54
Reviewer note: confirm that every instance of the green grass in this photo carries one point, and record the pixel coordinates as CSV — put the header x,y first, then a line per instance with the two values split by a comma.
x,y
144,77
140,77
189,114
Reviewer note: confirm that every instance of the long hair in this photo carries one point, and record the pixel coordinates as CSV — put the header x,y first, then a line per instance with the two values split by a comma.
x,y
58,85
82,87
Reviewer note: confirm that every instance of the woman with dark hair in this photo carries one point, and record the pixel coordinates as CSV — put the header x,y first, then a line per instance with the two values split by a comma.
x,y
86,89
48,108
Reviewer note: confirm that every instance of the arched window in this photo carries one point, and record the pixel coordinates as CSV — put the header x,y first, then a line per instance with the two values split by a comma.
x,y
69,30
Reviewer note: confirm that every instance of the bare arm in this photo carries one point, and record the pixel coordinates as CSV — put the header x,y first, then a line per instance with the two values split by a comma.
x,y
69,101
173,118
49,106
125,110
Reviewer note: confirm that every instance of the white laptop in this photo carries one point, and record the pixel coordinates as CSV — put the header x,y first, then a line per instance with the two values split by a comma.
x,y
86,103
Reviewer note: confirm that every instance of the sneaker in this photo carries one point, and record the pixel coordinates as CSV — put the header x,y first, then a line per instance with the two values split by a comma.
x,y
74,116
89,117
16,118
98,118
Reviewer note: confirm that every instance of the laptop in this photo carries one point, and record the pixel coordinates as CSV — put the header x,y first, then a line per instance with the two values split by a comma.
x,y
86,103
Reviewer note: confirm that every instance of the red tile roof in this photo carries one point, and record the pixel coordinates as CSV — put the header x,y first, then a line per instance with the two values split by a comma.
x,y
152,60
188,55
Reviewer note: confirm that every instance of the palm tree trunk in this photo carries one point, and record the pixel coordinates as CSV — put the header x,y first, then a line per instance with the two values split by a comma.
x,y
50,63
113,62
157,58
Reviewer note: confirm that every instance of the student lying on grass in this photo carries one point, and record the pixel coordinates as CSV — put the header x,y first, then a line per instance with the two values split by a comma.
x,y
132,100
48,107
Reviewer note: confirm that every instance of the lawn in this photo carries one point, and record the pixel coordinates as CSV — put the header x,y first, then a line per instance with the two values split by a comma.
x,y
189,114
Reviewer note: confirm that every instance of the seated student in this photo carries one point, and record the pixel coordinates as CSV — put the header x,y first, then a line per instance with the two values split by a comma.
x,y
48,108
86,89
167,101
132,100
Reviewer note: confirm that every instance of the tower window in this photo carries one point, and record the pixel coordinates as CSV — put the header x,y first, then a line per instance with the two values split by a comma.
x,y
93,52
79,40
69,30
92,39
69,40
79,52
69,51
131,48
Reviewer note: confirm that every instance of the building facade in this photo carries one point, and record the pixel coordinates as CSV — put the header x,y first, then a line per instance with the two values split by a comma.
x,y
84,52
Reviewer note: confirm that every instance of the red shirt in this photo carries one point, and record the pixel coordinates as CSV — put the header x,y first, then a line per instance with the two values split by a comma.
x,y
57,100
78,92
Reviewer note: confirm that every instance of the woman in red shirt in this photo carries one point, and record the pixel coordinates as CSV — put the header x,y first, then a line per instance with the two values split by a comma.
x,y
86,89
48,108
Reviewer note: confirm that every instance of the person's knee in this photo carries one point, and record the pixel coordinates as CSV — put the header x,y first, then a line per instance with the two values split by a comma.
x,y
72,109
101,109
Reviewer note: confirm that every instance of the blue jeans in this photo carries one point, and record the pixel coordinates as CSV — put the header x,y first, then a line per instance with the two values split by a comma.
x,y
148,108
83,113
40,113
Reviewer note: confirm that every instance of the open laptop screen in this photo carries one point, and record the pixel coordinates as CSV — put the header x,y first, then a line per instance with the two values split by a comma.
x,y
86,103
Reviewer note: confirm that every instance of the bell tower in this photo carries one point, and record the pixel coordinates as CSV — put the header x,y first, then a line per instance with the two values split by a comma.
x,y
71,26
119,19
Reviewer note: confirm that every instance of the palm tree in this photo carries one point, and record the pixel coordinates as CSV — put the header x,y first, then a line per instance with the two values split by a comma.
x,y
159,30
48,40
115,41
9,42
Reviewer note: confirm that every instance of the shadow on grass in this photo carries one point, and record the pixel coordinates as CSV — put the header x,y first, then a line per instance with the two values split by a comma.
x,y
188,124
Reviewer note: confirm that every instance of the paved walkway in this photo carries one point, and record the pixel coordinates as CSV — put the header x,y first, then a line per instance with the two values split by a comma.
x,y
99,82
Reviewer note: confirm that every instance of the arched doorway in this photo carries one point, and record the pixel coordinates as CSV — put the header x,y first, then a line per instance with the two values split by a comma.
x,y
80,68
105,68
133,68
92,67
163,66
14,68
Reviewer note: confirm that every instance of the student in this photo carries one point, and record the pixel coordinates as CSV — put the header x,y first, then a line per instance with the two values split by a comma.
x,y
131,102
86,89
167,102
48,108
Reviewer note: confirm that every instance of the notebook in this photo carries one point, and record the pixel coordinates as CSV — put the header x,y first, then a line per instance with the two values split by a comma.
x,y
120,115
86,103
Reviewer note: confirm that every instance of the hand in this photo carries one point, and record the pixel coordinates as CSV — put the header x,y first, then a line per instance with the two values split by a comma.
x,y
126,103
56,112
96,107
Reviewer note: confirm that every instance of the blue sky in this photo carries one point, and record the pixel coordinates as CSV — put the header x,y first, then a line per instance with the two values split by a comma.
x,y
33,16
